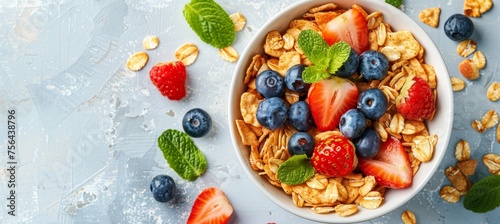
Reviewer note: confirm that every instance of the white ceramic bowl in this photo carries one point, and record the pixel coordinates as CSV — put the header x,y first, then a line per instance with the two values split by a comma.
x,y
441,124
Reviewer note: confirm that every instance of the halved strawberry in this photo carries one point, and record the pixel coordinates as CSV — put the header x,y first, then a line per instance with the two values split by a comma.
x,y
391,166
329,99
211,206
350,27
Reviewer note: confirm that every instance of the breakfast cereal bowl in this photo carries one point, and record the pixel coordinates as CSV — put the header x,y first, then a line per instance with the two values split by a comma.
x,y
439,127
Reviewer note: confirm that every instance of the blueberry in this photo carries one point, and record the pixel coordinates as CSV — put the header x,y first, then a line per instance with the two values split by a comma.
x,y
196,123
163,188
373,65
458,27
300,116
349,66
269,84
293,79
368,144
272,113
352,123
301,143
372,103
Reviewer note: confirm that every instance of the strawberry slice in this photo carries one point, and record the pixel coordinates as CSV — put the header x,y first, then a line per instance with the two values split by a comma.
x,y
350,27
329,99
390,167
211,206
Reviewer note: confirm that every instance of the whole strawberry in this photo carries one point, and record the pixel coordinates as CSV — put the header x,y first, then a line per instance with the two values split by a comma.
x,y
170,79
416,99
334,156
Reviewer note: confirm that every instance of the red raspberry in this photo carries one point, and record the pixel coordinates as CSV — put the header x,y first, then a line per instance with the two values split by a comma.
x,y
416,99
170,79
334,156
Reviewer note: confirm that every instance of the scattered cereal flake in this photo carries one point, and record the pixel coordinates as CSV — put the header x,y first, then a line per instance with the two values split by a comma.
x,y
248,137
374,20
474,8
466,47
187,53
323,209
391,53
249,102
492,162
449,194
498,134
404,42
322,18
493,92
490,119
430,16
229,54
150,42
346,209
478,126
323,8
239,21
457,179
408,217
479,59
457,84
468,69
462,150
137,61
467,167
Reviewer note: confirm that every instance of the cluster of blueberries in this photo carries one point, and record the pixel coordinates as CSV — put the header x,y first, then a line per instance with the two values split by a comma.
x,y
273,113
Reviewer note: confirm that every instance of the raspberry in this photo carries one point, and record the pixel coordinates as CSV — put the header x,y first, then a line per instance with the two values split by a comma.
x,y
170,79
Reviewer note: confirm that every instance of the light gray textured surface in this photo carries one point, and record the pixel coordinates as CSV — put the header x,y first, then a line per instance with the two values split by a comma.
x,y
87,126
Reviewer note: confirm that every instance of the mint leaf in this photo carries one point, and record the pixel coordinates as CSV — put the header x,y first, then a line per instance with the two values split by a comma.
x,y
395,3
210,22
296,170
314,74
314,47
483,196
182,154
339,53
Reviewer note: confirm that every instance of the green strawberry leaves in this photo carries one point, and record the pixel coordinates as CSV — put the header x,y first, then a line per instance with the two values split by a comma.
x,y
296,170
484,195
182,154
210,22
327,59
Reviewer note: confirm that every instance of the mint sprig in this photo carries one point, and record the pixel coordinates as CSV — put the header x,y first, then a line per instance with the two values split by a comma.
x,y
484,195
210,22
295,170
182,154
326,59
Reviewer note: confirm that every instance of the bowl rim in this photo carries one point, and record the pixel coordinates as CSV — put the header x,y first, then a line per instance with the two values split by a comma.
x,y
444,86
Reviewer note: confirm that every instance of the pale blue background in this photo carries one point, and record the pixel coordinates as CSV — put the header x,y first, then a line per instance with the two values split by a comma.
x,y
88,126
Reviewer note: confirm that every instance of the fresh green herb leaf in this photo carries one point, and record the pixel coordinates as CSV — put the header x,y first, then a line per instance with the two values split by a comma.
x,y
314,46
210,22
395,3
326,59
314,74
182,154
483,196
339,53
296,170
